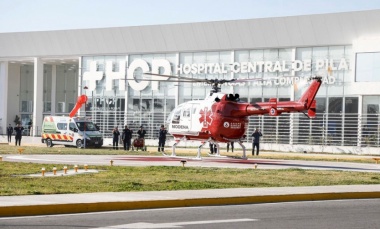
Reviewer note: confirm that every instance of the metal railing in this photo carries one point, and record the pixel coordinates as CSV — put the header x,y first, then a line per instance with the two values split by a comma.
x,y
326,129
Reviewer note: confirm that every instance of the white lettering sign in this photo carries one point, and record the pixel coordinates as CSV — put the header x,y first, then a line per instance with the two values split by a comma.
x,y
111,76
163,67
92,76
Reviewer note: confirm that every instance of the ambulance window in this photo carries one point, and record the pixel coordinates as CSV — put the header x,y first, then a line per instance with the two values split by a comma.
x,y
62,126
72,126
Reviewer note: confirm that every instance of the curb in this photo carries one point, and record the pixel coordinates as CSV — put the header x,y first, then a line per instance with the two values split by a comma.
x,y
33,210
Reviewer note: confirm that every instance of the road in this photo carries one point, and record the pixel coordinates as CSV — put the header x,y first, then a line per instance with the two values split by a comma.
x,y
338,214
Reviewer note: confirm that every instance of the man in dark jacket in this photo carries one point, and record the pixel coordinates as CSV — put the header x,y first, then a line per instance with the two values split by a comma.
x,y
141,132
127,136
213,148
10,132
256,141
162,138
115,138
18,129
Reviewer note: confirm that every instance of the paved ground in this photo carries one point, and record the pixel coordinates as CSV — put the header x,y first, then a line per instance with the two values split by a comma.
x,y
75,203
92,202
258,163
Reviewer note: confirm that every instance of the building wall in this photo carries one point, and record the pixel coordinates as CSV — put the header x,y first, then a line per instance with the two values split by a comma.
x,y
281,32
13,92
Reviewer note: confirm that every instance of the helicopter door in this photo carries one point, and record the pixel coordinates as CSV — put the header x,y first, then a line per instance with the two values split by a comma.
x,y
186,118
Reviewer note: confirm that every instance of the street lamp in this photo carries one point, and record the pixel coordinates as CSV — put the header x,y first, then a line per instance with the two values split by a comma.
x,y
85,119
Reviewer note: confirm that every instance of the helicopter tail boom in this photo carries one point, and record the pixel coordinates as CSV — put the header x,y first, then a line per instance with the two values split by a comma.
x,y
306,103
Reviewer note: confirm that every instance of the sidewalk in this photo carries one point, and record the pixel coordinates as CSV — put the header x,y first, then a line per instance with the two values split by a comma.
x,y
93,202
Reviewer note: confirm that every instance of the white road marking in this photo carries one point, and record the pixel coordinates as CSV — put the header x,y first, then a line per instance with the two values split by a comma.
x,y
36,159
173,225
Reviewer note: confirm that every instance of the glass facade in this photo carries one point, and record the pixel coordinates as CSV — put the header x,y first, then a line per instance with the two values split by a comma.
x,y
368,67
371,128
66,92
26,93
339,118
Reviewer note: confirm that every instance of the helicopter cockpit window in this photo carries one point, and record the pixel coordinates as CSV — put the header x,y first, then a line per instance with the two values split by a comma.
x,y
232,97
177,115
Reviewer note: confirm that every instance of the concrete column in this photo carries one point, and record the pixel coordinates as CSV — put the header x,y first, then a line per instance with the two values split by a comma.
x,y
80,86
231,73
177,94
4,94
53,88
125,121
38,96
13,88
293,132
360,121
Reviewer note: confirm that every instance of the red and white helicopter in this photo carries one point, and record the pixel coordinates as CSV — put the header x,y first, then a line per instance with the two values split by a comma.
x,y
222,118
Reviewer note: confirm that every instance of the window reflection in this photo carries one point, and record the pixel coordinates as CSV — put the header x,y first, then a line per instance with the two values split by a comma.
x,y
368,67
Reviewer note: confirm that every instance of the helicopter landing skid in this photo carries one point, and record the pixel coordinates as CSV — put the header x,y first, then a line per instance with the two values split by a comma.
x,y
173,150
217,155
199,156
244,150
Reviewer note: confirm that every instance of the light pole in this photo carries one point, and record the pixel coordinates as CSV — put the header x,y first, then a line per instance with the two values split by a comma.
x,y
85,119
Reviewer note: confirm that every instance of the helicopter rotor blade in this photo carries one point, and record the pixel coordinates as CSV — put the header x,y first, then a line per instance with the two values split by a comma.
x,y
268,78
169,80
214,82
176,77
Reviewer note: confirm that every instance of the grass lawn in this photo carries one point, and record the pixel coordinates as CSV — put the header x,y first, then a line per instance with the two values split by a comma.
x,y
154,178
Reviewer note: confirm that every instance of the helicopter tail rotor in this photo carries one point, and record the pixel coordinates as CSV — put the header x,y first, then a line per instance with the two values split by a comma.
x,y
309,95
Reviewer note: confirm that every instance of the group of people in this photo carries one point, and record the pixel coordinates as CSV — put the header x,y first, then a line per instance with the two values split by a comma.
x,y
18,133
126,137
255,144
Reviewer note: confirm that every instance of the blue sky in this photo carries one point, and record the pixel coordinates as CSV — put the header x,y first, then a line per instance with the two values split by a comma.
x,y
45,15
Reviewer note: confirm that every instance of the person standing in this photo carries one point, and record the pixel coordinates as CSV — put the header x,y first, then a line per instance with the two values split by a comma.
x,y
213,148
141,132
162,138
18,129
232,146
10,132
30,128
115,139
141,135
127,136
256,141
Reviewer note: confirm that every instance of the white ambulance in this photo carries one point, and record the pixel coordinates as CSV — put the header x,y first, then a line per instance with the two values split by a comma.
x,y
76,131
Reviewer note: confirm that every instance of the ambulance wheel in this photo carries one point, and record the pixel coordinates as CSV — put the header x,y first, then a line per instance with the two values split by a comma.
x,y
49,143
79,143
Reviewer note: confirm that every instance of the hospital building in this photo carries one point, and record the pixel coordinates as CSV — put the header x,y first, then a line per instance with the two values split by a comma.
x,y
43,73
